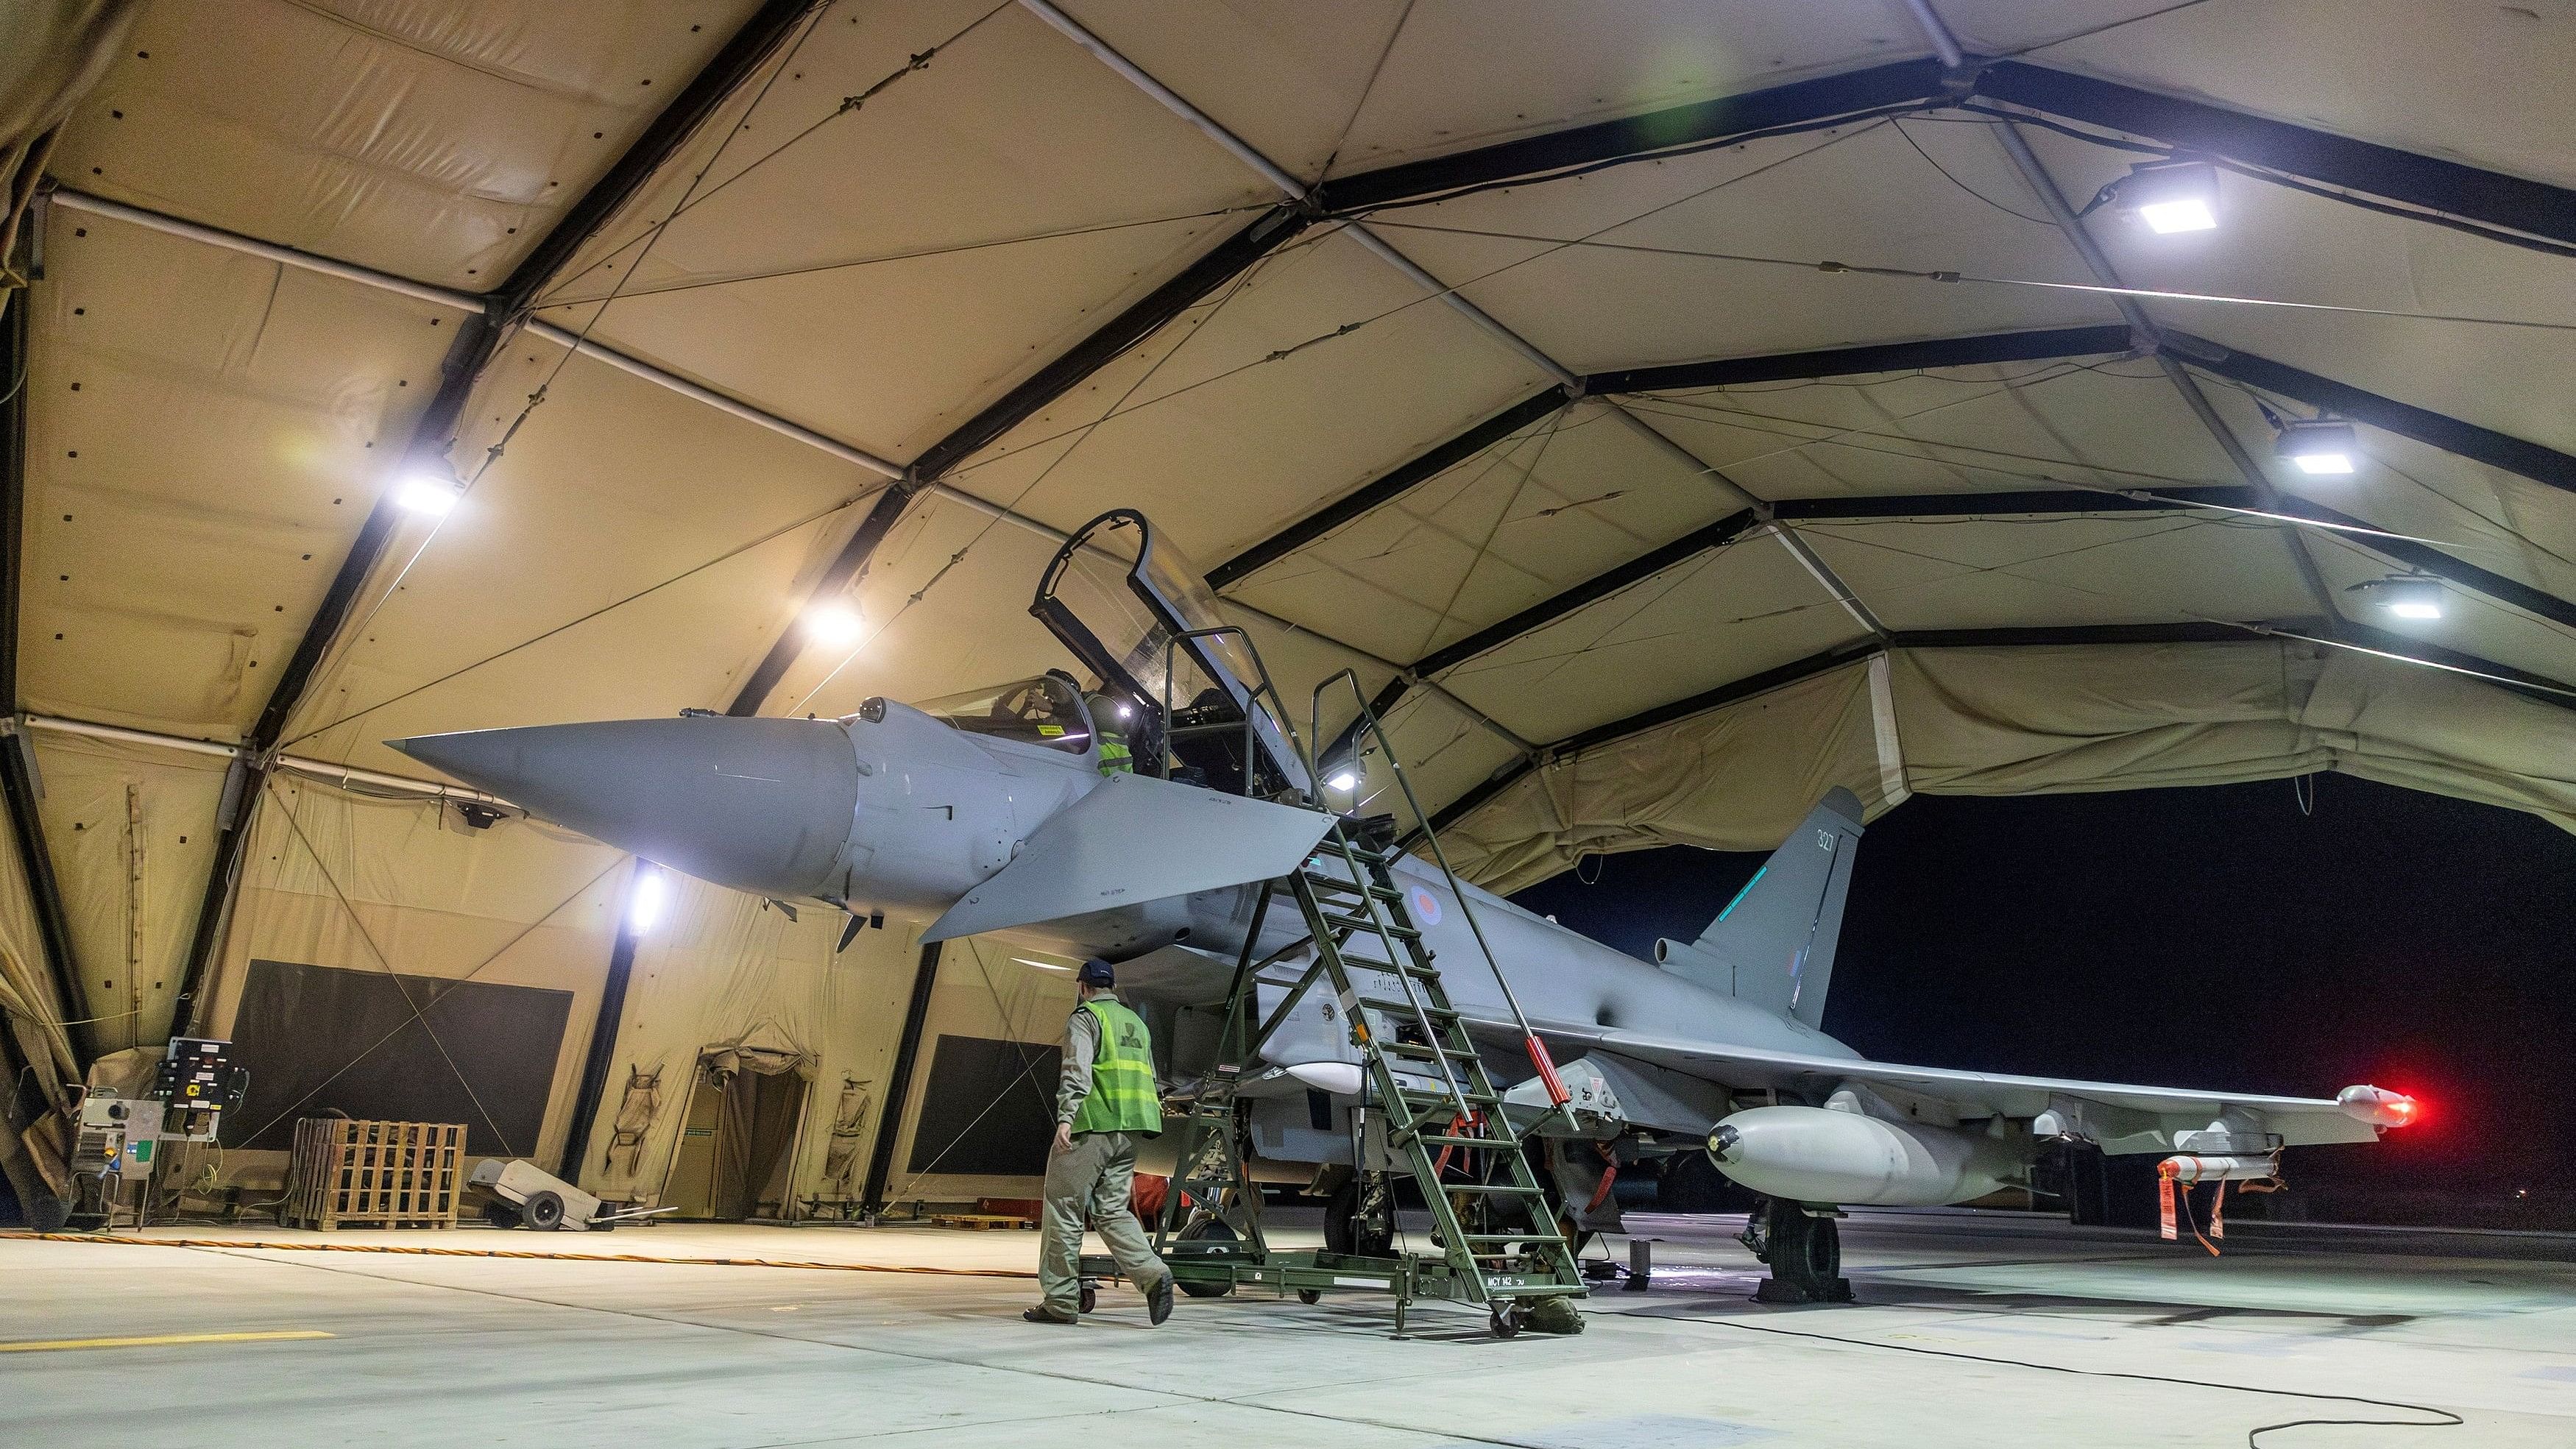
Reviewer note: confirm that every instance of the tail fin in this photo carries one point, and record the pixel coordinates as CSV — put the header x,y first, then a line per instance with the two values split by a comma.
x,y
1773,945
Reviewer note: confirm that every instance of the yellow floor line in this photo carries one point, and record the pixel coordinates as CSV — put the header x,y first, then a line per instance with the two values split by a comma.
x,y
259,1245
49,1345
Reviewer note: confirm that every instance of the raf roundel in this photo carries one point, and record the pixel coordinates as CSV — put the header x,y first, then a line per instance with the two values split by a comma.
x,y
1426,906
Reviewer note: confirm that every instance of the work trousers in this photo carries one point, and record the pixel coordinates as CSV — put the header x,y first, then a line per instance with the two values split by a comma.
x,y
1088,1185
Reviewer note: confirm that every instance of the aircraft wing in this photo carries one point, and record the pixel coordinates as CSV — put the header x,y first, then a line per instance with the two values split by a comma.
x,y
2122,1117
1135,839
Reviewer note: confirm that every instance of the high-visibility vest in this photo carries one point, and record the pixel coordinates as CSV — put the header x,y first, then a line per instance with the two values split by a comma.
x,y
1115,757
1123,1098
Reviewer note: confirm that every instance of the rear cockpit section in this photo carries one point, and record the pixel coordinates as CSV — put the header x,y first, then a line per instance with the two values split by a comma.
x,y
1139,615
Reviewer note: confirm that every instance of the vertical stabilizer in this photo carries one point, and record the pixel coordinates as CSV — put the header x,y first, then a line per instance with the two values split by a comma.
x,y
1773,945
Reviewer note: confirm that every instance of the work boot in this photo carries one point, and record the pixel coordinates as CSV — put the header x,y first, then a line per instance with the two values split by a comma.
x,y
1158,1300
1042,1314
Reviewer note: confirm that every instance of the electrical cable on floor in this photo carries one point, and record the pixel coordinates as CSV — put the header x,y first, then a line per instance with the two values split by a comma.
x,y
2253,1437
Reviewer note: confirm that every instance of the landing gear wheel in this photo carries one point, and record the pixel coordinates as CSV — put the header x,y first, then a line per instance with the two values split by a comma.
x,y
1090,1298
542,1211
1203,1231
1345,1233
1310,1296
1806,1258
1507,1319
501,1214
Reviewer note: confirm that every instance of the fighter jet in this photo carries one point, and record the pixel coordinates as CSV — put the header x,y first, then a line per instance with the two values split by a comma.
x,y
988,814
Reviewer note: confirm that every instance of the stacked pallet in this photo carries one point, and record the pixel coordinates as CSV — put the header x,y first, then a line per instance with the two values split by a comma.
x,y
374,1174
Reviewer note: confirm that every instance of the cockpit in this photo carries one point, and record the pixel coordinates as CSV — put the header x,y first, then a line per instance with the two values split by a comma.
x,y
1042,711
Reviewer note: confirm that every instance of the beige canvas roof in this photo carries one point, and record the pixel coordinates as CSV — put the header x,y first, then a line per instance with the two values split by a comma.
x,y
1668,410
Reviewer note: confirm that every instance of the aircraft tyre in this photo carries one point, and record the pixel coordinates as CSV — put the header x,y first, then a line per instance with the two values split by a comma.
x,y
1806,1257
1344,1232
1201,1231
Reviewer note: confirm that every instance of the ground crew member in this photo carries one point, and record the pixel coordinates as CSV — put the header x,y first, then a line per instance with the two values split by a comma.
x,y
1107,1102
1109,727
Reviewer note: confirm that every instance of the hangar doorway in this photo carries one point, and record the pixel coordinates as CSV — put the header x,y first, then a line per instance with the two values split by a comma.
x,y
736,1158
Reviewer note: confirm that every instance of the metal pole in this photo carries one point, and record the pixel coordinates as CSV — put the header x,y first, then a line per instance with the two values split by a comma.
x,y
601,1058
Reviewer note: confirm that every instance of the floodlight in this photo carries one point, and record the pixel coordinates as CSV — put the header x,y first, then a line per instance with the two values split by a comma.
x,y
2405,596
426,492
644,904
2320,448
834,626
2172,196
1343,780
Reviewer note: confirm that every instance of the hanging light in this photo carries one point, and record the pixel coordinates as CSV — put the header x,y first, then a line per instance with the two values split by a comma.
x,y
1343,780
2169,196
834,626
644,904
2405,596
2321,447
428,491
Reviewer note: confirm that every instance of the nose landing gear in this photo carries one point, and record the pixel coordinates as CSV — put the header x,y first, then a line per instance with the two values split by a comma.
x,y
1804,1250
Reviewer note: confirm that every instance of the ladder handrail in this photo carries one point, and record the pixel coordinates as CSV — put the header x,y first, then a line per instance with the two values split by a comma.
x,y
1252,702
1457,889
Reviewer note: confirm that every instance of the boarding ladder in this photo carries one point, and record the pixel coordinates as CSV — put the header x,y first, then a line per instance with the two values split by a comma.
x,y
1431,1110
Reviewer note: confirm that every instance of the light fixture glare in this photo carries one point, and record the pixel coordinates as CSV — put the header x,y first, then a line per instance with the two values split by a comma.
x,y
644,906
2319,447
425,493
2188,214
2323,464
1343,780
834,626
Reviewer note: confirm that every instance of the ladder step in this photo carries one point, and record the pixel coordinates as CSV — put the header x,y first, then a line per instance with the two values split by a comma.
x,y
1424,1053
1365,925
1339,886
1436,1013
1492,1189
1435,1095
1445,1139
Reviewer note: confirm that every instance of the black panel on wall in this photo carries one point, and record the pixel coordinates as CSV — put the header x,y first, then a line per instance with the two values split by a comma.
x,y
1016,1080
349,1039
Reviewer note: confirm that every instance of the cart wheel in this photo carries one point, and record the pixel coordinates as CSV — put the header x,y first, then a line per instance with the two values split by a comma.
x,y
501,1214
542,1211
1090,1298
1207,1230
1310,1295
1507,1320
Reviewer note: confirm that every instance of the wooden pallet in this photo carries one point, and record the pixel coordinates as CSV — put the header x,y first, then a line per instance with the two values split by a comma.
x,y
349,1174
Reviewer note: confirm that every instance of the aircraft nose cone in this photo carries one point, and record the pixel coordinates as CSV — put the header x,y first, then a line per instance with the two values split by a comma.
x,y
762,805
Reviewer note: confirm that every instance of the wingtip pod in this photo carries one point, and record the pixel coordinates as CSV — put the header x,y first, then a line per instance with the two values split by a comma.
x,y
2379,1106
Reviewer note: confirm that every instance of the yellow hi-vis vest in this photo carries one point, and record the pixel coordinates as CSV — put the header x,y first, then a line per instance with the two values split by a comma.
x,y
1115,757
1123,1098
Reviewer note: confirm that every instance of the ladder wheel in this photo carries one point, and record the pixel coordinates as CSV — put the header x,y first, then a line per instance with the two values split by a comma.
x,y
1310,1296
1090,1298
1206,1230
1507,1320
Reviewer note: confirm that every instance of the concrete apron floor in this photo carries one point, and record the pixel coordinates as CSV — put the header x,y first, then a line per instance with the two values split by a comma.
x,y
1970,1331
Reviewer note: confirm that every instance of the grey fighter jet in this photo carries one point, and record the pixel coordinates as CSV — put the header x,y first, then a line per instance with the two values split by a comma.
x,y
989,814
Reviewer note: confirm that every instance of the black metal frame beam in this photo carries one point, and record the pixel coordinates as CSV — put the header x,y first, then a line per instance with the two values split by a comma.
x,y
2437,430
2427,559
898,1089
1228,260
1796,104
17,781
601,1057
1388,486
475,344
2451,187
2033,345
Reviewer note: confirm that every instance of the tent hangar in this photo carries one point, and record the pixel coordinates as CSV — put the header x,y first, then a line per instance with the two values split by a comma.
x,y
1671,413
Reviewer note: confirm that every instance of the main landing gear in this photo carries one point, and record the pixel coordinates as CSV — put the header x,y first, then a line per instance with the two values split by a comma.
x,y
1804,1250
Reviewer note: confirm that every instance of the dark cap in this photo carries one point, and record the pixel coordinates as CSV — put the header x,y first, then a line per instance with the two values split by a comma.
x,y
1096,972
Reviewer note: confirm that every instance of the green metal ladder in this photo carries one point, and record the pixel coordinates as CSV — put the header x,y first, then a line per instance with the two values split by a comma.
x,y
1426,1084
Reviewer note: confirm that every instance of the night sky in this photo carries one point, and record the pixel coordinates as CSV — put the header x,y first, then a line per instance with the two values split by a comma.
x,y
2210,937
